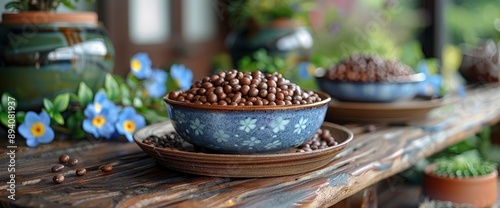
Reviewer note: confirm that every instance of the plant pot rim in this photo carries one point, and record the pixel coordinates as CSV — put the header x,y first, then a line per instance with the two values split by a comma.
x,y
42,17
428,171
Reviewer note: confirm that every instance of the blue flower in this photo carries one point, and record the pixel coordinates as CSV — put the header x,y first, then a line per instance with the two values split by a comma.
x,y
100,124
101,102
432,84
128,122
140,65
36,129
156,85
182,76
305,69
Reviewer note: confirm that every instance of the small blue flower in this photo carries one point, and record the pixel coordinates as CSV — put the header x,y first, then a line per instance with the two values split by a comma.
x,y
156,85
305,70
182,76
100,124
140,65
101,102
432,84
128,122
36,129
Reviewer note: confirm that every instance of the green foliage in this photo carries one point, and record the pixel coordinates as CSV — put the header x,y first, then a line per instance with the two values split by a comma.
x,y
471,21
261,61
61,102
467,164
4,108
85,94
441,204
263,12
111,88
41,5
368,27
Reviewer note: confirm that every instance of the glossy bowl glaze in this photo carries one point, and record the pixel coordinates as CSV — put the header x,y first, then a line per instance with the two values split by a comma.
x,y
376,92
247,129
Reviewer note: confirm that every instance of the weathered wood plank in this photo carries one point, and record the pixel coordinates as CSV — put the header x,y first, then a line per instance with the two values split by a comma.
x,y
138,181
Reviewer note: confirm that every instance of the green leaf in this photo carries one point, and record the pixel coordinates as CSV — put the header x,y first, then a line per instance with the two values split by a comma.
x,y
85,94
12,5
111,86
57,117
125,95
68,4
4,118
74,97
5,100
61,102
74,123
132,81
125,92
152,116
20,116
48,105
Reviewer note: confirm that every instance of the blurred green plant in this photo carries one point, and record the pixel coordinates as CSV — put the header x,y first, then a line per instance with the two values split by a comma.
x,y
263,12
467,164
41,5
473,21
368,27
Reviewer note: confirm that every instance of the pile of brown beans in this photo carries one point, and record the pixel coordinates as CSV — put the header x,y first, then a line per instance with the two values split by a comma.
x,y
172,140
245,89
321,140
368,68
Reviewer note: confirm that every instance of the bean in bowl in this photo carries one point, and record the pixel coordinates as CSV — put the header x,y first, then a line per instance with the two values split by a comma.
x,y
251,112
245,88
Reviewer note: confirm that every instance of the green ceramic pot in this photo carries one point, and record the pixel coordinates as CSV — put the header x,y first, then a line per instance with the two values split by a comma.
x,y
45,54
281,38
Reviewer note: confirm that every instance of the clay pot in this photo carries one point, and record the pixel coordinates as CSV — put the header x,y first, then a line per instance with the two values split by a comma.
x,y
43,54
477,191
481,64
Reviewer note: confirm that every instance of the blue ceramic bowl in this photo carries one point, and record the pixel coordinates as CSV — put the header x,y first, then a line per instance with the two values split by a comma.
x,y
247,129
377,92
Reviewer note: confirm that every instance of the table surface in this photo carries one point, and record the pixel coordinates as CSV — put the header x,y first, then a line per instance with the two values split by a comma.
x,y
138,181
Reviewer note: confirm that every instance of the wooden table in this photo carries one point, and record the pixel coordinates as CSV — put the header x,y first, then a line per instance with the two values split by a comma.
x,y
137,180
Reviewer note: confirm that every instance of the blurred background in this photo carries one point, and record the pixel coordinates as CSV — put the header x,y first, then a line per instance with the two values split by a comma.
x,y
198,33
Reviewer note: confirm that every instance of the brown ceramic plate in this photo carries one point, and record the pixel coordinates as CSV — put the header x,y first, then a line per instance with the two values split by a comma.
x,y
191,160
397,112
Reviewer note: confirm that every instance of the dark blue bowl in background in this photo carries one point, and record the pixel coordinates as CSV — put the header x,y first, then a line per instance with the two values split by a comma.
x,y
376,92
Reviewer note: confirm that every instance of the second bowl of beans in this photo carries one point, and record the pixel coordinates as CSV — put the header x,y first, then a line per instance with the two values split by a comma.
x,y
366,78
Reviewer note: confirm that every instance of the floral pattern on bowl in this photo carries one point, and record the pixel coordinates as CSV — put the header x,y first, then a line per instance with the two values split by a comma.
x,y
247,129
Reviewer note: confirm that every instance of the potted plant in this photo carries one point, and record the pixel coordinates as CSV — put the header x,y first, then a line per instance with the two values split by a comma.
x,y
278,26
44,53
462,179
